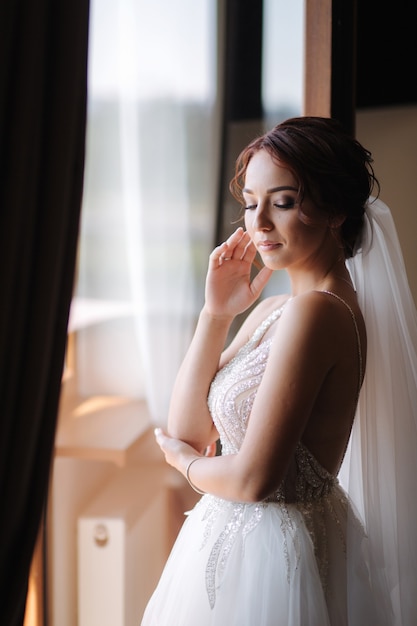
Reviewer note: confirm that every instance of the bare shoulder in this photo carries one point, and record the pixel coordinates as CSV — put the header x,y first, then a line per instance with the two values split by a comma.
x,y
322,305
325,315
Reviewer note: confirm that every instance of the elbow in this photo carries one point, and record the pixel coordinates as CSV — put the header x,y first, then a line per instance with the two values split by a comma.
x,y
256,494
205,444
255,488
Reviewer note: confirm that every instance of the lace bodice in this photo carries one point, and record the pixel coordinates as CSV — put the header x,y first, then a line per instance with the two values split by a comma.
x,y
230,401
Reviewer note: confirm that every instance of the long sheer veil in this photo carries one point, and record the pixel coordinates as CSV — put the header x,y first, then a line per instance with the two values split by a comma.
x,y
380,468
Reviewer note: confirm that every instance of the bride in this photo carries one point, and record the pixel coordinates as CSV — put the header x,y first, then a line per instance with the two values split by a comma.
x,y
275,539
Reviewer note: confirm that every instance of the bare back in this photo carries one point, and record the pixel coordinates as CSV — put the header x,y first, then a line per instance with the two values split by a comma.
x,y
338,351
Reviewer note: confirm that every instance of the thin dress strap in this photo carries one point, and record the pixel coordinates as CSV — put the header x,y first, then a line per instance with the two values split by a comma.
x,y
358,338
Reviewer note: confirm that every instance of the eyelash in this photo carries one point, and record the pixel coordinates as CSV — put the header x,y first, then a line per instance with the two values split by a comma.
x,y
288,205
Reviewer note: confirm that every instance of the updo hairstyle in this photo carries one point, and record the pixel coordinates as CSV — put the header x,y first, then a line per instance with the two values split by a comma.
x,y
332,169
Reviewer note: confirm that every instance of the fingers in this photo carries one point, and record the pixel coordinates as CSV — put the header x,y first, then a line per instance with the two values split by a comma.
x,y
260,281
211,450
238,247
168,446
159,436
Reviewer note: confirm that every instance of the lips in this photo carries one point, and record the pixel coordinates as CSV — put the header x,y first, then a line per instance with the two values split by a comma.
x,y
268,246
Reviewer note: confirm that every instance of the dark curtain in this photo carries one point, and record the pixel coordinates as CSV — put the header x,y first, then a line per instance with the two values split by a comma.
x,y
43,67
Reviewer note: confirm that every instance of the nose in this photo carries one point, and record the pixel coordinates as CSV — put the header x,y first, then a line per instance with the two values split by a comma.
x,y
261,218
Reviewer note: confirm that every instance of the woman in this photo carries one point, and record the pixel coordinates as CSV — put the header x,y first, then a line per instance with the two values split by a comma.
x,y
275,540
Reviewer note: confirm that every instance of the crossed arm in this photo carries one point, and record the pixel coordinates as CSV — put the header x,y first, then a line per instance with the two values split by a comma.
x,y
295,371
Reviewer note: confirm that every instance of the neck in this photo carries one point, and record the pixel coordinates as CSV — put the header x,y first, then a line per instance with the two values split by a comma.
x,y
323,279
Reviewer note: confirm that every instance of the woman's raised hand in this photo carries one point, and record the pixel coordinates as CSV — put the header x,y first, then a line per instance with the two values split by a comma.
x,y
229,288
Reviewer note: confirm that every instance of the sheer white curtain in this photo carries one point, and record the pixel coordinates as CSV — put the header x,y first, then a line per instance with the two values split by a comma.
x,y
150,190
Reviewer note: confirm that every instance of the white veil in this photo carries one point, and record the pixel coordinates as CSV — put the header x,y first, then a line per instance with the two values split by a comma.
x,y
380,469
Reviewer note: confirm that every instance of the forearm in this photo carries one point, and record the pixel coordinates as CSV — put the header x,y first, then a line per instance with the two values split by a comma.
x,y
222,476
247,476
215,475
189,418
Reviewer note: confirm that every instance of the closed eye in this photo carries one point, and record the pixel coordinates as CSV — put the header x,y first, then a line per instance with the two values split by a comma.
x,y
286,205
278,205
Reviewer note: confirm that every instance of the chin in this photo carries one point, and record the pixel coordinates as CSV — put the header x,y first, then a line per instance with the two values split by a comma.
x,y
272,264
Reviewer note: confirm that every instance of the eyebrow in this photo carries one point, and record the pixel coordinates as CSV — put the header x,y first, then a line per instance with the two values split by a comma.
x,y
272,189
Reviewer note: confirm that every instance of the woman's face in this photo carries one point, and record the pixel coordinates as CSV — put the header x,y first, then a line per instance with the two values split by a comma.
x,y
272,216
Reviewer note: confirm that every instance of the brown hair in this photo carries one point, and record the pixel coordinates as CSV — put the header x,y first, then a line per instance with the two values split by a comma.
x,y
331,167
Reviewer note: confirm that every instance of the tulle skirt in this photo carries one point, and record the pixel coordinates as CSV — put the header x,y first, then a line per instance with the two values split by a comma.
x,y
267,564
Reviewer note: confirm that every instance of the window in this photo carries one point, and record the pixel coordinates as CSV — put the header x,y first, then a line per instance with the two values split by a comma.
x,y
150,187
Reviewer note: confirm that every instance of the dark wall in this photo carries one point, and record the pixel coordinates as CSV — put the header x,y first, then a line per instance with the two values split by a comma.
x,y
386,53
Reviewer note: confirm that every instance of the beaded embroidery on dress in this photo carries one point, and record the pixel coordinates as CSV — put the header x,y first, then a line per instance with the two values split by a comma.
x,y
280,562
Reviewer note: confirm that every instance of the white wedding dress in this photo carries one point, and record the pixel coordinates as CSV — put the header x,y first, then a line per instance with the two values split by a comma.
x,y
280,562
